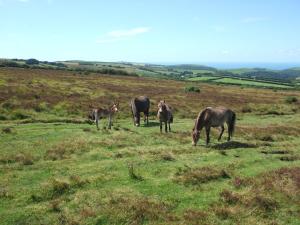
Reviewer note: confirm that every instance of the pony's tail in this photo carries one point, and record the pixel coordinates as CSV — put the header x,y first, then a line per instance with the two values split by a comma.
x,y
232,124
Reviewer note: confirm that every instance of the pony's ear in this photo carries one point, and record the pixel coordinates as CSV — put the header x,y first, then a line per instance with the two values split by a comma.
x,y
164,101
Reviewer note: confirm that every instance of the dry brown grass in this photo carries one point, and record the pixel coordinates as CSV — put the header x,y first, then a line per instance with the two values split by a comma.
x,y
5,192
50,88
196,176
22,158
195,217
138,210
261,196
66,148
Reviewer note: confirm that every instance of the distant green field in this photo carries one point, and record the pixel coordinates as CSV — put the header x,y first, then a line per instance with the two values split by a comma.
x,y
202,78
250,83
240,70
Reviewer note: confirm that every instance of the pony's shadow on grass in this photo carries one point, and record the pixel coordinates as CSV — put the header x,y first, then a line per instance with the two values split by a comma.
x,y
151,124
232,145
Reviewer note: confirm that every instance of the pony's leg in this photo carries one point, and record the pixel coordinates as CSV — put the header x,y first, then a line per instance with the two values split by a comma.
x,y
169,126
96,121
207,129
138,119
160,126
229,133
166,126
222,130
109,122
146,119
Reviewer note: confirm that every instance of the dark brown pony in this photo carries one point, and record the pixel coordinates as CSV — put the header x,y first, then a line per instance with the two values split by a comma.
x,y
214,117
138,105
164,114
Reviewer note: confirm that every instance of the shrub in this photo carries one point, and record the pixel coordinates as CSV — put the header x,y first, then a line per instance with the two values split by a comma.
x,y
229,197
291,99
60,187
7,130
19,116
133,174
32,61
246,109
167,156
192,89
2,117
43,106
24,158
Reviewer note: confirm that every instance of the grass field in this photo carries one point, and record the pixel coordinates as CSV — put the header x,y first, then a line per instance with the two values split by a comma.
x,y
203,78
58,169
250,83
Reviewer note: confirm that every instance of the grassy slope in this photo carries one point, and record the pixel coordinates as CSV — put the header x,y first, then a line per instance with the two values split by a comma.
x,y
72,174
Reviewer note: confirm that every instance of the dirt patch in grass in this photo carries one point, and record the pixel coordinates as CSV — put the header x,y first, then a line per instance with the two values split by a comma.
x,y
233,145
196,176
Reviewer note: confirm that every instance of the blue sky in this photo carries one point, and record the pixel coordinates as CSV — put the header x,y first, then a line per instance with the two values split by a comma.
x,y
178,31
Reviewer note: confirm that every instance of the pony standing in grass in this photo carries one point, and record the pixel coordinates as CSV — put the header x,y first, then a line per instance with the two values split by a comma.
x,y
100,113
138,105
214,117
164,114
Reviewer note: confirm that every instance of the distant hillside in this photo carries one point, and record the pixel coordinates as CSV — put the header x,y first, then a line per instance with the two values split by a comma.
x,y
176,72
192,67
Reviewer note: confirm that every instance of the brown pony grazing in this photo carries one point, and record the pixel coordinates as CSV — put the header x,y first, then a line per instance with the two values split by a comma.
x,y
164,114
214,117
138,105
100,113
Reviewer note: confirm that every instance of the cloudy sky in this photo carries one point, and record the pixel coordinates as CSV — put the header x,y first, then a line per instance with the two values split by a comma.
x,y
177,31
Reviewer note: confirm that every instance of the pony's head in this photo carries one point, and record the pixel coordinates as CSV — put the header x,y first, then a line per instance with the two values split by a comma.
x,y
195,136
91,114
115,107
162,106
136,119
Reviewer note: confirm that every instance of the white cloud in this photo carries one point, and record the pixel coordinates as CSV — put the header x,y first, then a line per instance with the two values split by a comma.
x,y
254,19
118,35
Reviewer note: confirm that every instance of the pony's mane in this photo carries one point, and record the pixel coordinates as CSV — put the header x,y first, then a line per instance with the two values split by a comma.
x,y
200,120
133,106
